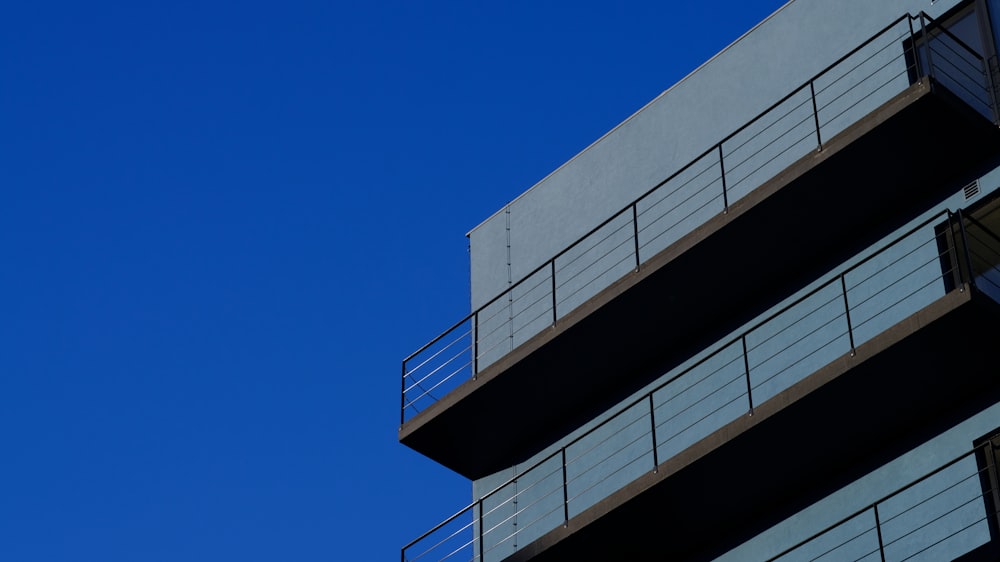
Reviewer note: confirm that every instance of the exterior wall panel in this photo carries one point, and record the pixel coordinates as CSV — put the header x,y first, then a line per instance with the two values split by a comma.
x,y
796,43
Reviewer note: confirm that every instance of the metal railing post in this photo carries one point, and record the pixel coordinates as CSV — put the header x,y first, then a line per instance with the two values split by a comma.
x,y
635,233
915,52
965,246
746,367
481,521
927,46
554,317
878,529
402,396
652,427
565,488
953,253
819,137
475,344
722,170
847,313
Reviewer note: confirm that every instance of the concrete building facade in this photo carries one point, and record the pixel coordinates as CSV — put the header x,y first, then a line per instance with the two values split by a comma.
x,y
754,323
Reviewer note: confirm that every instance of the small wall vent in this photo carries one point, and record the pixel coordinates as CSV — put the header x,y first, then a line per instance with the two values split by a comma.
x,y
971,190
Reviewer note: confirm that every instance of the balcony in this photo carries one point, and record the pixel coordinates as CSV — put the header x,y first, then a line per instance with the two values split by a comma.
x,y
822,174
766,422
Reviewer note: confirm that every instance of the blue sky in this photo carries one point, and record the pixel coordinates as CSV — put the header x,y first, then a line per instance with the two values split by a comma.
x,y
223,225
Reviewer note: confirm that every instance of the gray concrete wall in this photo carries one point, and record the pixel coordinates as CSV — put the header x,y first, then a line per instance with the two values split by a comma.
x,y
779,55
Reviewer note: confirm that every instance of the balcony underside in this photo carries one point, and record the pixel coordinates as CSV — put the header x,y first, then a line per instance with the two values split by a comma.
x,y
828,206
923,375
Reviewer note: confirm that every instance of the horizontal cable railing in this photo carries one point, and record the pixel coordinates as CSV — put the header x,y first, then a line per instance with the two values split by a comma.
x,y
940,516
798,124
908,274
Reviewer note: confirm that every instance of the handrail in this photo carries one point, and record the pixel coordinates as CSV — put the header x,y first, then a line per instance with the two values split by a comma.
x,y
897,244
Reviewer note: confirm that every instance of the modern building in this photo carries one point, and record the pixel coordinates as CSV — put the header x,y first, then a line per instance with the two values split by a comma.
x,y
749,323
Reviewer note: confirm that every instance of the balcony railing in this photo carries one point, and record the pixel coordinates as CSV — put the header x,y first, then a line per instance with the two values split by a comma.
x,y
911,49
942,515
911,272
